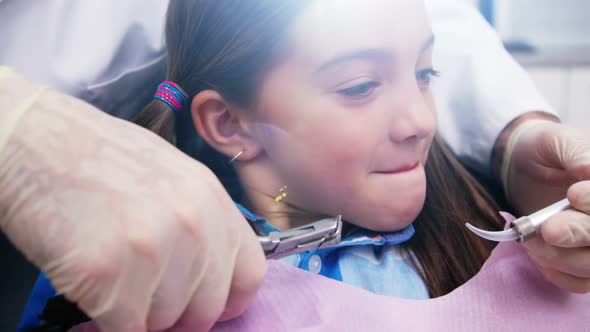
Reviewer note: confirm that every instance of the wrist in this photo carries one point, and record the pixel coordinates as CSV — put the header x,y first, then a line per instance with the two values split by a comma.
x,y
17,96
507,140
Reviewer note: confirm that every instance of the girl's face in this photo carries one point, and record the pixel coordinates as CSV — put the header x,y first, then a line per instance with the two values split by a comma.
x,y
347,117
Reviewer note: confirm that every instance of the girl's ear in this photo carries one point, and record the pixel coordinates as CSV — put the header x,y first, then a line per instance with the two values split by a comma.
x,y
222,126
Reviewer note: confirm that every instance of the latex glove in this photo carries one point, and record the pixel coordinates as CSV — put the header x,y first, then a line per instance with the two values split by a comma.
x,y
547,160
137,233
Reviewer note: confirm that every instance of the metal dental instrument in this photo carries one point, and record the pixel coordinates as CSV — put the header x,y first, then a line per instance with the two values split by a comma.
x,y
524,228
320,234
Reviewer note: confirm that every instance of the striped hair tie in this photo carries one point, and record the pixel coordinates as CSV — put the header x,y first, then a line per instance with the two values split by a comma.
x,y
171,94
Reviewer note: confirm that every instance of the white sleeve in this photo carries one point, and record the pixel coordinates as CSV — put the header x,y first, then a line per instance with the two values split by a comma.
x,y
481,88
108,52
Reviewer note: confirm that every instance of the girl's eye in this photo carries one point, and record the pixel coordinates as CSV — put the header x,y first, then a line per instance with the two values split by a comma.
x,y
360,90
424,77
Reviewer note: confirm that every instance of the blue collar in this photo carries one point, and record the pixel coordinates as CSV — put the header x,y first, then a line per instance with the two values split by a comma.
x,y
358,237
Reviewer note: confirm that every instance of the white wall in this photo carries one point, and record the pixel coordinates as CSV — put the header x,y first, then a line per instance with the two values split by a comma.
x,y
567,89
544,23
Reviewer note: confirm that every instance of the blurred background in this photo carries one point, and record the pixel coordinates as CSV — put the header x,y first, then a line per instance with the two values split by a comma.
x,y
551,40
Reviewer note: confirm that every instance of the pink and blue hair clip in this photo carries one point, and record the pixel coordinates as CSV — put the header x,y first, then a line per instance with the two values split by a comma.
x,y
171,94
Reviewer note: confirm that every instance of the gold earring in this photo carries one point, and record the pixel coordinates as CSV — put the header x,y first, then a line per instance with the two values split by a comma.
x,y
282,194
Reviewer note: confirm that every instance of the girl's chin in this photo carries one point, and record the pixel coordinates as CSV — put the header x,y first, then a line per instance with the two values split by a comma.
x,y
389,222
392,218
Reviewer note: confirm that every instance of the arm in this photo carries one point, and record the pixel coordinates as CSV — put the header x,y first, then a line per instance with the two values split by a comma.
x,y
84,198
108,53
486,103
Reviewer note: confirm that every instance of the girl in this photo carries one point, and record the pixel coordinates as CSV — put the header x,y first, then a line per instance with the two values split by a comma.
x,y
313,108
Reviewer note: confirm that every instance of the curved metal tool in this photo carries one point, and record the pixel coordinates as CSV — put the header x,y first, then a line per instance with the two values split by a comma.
x,y
502,236
523,228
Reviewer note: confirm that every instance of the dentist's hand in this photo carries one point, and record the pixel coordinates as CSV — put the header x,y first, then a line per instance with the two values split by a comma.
x,y
563,252
548,158
141,236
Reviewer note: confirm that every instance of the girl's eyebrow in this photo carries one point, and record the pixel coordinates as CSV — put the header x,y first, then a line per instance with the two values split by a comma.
x,y
370,54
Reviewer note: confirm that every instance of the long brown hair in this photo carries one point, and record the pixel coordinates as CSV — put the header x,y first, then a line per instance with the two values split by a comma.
x,y
448,254
227,46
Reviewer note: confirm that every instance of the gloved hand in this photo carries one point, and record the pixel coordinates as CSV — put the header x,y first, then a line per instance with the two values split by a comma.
x,y
547,159
137,233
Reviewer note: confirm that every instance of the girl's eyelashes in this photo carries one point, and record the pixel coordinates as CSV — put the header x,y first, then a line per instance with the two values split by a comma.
x,y
361,90
424,77
366,89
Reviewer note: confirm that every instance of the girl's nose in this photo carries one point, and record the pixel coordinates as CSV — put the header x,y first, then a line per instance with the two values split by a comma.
x,y
416,120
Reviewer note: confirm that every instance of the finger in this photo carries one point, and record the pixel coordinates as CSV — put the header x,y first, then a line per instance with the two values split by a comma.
x,y
95,290
128,311
579,166
568,229
579,196
208,301
582,170
248,275
565,281
182,270
574,261
139,274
